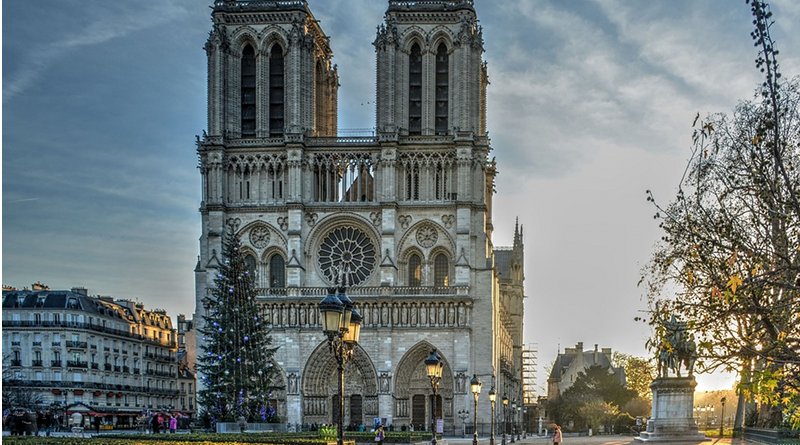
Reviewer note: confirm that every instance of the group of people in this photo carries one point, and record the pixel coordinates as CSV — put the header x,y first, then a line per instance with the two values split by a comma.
x,y
23,422
161,422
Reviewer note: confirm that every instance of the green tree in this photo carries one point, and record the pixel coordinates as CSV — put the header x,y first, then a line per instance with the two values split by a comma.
x,y
728,260
639,373
236,360
595,384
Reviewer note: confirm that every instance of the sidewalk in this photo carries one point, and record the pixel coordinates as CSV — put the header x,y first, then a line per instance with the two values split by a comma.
x,y
586,440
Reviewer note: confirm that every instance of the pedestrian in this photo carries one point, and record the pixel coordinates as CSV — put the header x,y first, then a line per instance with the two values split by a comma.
x,y
173,424
154,423
557,438
379,435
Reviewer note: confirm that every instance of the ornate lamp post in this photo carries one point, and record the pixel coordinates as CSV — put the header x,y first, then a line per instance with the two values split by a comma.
x,y
341,323
434,367
722,417
492,398
513,418
475,386
518,422
505,418
463,414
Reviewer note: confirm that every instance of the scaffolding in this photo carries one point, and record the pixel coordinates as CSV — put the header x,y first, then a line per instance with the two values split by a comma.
x,y
529,360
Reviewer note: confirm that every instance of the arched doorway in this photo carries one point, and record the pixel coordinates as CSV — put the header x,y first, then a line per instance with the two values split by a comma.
x,y
320,388
413,395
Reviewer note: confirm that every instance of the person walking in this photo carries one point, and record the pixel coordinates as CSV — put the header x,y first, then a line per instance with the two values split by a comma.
x,y
379,435
173,424
557,438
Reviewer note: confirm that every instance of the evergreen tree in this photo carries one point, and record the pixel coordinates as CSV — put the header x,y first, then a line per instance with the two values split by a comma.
x,y
236,359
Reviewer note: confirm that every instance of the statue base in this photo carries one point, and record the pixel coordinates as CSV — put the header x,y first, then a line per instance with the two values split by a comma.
x,y
672,418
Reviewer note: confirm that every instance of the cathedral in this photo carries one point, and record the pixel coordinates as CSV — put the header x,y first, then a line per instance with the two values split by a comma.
x,y
403,217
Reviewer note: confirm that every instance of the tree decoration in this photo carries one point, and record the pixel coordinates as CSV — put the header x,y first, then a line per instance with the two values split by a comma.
x,y
237,352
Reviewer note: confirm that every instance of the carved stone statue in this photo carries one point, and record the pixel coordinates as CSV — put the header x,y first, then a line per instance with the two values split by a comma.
x,y
677,349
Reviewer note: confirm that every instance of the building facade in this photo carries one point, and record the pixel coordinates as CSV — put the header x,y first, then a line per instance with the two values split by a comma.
x,y
402,217
575,360
68,349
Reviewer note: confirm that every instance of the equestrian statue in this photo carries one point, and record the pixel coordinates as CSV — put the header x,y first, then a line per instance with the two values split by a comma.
x,y
677,349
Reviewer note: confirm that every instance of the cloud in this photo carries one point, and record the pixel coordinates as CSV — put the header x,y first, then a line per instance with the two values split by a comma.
x,y
106,24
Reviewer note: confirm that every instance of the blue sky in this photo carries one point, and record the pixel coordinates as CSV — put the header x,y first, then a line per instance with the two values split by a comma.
x,y
590,104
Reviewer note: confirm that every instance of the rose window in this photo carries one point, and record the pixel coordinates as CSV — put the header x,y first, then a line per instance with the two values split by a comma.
x,y
347,256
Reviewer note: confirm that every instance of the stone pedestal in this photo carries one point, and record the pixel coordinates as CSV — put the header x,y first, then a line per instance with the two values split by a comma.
x,y
672,419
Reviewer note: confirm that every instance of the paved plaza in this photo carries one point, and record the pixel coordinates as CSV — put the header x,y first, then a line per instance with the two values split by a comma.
x,y
593,440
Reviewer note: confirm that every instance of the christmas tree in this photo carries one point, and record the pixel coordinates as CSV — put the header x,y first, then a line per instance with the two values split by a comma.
x,y
236,360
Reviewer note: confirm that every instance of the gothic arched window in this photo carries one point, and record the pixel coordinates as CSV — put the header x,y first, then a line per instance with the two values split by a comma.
x,y
415,90
276,91
441,271
277,271
442,88
248,85
414,270
250,263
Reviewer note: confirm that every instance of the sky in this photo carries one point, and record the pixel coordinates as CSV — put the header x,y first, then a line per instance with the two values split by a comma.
x,y
590,105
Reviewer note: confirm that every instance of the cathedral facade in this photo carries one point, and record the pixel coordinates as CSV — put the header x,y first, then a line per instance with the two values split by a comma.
x,y
402,217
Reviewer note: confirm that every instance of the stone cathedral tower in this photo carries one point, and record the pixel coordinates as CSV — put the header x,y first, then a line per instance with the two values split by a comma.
x,y
403,216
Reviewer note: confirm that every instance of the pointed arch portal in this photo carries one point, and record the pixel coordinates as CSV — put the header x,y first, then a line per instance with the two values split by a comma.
x,y
320,387
413,393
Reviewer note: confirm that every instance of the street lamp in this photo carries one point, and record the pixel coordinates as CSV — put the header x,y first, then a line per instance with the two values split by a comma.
x,y
475,386
722,417
463,414
513,418
341,323
519,422
492,398
505,418
434,367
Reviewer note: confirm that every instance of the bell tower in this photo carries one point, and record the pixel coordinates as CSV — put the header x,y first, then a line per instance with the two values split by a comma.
x,y
270,71
430,76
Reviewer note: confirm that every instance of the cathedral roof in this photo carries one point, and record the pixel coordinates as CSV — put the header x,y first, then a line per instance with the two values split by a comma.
x,y
260,5
502,262
430,5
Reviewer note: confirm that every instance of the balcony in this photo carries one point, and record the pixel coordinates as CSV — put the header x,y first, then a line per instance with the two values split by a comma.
x,y
37,343
136,370
116,350
106,348
55,363
88,326
77,364
14,343
107,366
93,347
16,362
95,365
126,369
76,344
117,368
36,363
56,343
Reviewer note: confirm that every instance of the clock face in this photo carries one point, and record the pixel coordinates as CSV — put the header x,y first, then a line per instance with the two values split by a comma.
x,y
347,256
259,236
427,235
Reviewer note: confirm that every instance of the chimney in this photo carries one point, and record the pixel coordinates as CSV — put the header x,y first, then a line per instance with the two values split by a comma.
x,y
596,355
607,353
579,346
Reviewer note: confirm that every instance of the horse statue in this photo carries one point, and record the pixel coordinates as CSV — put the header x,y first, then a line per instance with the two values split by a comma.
x,y
676,350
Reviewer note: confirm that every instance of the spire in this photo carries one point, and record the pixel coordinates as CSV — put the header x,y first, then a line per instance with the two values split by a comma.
x,y
517,233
